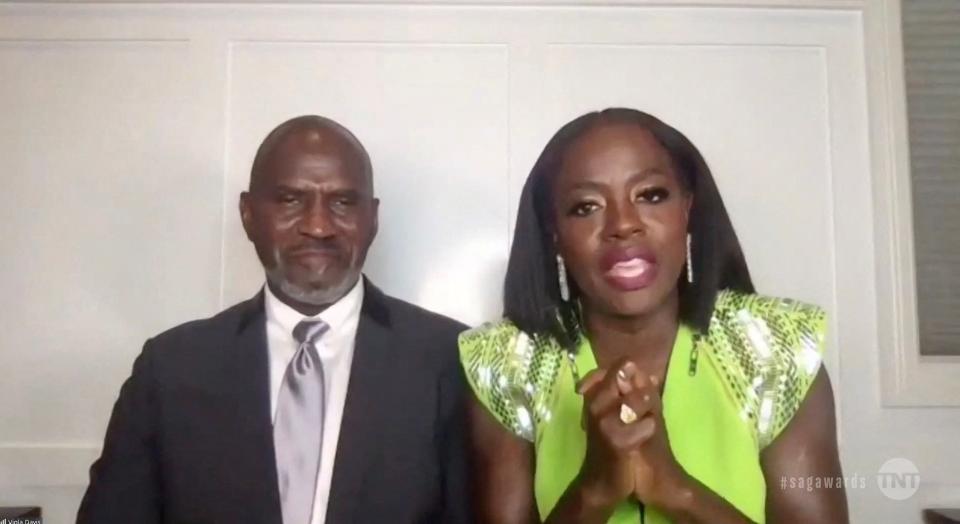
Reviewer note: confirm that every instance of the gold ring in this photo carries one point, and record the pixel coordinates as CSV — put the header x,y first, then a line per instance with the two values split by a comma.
x,y
627,414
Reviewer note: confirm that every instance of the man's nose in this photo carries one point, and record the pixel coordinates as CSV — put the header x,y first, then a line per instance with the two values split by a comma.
x,y
316,221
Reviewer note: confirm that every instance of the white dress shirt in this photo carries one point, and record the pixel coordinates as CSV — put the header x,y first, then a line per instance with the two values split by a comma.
x,y
336,351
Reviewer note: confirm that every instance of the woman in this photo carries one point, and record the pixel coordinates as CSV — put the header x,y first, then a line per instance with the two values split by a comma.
x,y
636,376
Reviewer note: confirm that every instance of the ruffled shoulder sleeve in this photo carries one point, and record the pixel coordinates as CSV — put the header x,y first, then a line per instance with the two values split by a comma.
x,y
768,351
512,374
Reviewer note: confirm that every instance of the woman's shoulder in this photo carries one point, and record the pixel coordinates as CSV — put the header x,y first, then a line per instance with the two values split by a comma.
x,y
511,373
768,351
502,341
767,326
498,333
732,305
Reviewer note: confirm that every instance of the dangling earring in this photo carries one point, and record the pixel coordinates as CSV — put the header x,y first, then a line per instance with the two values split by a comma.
x,y
562,277
689,261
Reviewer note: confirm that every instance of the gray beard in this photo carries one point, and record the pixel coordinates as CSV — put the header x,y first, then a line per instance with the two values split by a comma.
x,y
312,296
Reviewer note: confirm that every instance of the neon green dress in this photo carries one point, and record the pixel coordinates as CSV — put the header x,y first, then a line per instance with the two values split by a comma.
x,y
728,393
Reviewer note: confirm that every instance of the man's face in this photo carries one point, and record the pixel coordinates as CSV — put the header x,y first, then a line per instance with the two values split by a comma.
x,y
311,215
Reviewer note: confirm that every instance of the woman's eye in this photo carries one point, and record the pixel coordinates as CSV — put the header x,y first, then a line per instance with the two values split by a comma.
x,y
583,209
654,195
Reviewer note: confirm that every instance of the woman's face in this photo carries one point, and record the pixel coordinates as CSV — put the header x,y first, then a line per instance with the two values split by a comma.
x,y
621,219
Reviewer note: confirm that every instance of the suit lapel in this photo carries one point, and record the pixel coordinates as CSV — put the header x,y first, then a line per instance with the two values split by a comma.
x,y
249,368
372,379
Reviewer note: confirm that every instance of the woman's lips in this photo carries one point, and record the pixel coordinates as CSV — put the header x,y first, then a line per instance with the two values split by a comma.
x,y
630,269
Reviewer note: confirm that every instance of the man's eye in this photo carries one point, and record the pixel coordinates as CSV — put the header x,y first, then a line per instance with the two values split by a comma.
x,y
344,204
654,195
583,209
288,199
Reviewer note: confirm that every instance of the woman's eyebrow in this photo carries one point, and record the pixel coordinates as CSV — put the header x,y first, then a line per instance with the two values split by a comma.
x,y
639,175
649,172
586,185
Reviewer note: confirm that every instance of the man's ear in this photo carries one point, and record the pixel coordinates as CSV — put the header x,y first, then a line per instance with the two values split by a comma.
x,y
375,223
246,214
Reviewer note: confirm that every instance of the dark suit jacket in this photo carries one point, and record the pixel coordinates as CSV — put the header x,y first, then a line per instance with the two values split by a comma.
x,y
191,440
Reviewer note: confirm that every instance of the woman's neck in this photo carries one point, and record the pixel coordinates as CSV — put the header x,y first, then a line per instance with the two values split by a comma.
x,y
647,339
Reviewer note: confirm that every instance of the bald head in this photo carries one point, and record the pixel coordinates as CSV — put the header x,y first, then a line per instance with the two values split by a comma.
x,y
310,133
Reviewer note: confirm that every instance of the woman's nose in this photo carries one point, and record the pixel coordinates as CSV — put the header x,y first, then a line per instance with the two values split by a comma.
x,y
624,221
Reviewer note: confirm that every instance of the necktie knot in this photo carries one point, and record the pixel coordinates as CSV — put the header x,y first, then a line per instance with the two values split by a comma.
x,y
309,331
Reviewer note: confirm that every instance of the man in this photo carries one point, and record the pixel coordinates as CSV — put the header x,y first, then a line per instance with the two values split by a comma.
x,y
319,400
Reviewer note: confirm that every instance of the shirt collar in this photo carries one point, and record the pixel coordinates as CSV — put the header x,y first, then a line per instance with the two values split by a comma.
x,y
342,316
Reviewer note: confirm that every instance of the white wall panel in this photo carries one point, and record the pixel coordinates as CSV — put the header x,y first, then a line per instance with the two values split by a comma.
x,y
105,218
434,120
107,214
757,113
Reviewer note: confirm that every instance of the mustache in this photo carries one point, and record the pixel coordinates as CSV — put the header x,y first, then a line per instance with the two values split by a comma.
x,y
327,245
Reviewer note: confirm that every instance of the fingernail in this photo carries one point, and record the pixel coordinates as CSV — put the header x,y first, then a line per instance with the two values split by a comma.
x,y
623,380
581,387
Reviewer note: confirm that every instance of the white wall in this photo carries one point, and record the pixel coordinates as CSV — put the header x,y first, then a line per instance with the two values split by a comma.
x,y
128,131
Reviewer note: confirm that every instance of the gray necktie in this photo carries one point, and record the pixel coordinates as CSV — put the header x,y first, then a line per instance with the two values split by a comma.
x,y
298,427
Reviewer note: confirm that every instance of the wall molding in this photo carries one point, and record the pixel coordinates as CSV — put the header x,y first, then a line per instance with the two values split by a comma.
x,y
906,377
782,4
45,464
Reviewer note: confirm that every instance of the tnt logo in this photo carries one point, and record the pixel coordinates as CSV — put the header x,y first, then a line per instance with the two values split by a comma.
x,y
898,479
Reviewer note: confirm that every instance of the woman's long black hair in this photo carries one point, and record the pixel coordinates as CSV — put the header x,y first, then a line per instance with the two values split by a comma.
x,y
531,294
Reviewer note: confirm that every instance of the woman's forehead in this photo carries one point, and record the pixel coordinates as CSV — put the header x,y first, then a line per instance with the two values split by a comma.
x,y
611,149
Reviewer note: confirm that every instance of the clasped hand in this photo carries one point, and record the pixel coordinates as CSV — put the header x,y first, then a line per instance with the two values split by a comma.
x,y
627,456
